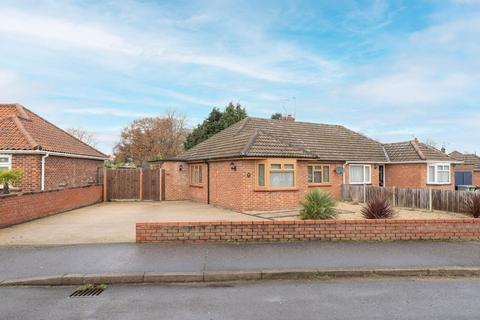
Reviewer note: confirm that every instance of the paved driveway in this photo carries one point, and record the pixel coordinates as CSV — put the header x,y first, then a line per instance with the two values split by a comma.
x,y
110,222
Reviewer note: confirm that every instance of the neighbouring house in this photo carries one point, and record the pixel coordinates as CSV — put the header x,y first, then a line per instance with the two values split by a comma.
x,y
49,157
468,173
262,164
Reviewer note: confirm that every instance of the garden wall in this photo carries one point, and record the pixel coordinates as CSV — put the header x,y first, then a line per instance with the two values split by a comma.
x,y
22,207
299,230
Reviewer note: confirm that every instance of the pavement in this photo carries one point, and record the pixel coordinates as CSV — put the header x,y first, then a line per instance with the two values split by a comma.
x,y
359,299
110,222
30,261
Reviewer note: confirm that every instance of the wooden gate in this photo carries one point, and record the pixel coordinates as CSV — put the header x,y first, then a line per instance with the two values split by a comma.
x,y
133,184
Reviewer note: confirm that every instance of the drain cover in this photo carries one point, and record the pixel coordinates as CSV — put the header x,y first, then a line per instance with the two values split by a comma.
x,y
88,291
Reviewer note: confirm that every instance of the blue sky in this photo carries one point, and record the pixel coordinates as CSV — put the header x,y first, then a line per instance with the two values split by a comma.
x,y
389,69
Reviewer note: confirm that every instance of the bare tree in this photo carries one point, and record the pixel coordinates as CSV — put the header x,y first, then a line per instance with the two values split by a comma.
x,y
152,138
84,136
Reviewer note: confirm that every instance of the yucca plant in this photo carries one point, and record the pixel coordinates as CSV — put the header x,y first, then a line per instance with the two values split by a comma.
x,y
10,177
318,206
378,208
473,205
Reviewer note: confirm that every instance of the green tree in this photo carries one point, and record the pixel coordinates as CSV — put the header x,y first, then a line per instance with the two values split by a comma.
x,y
10,177
277,116
215,122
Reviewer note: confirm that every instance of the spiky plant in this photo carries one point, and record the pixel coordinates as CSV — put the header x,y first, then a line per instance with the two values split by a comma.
x,y
473,205
318,206
10,177
378,208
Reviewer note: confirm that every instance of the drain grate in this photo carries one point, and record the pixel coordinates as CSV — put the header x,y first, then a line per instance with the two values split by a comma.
x,y
88,291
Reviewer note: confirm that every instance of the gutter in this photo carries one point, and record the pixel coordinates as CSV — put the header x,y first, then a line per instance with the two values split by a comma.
x,y
43,171
57,154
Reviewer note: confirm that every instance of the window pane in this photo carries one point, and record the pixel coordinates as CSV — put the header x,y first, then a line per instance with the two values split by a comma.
x,y
199,174
318,177
276,166
261,175
367,174
443,177
431,174
326,174
4,160
318,168
288,166
310,174
356,174
3,169
281,179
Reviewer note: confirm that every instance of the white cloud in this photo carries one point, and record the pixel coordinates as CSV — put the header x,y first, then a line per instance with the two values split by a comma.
x,y
109,112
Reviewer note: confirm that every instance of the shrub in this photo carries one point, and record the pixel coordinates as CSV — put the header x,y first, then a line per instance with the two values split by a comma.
x,y
318,205
473,205
10,177
378,208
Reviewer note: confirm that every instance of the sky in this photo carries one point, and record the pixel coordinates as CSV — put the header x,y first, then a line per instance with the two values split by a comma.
x,y
392,70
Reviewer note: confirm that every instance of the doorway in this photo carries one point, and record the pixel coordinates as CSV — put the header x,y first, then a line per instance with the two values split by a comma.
x,y
381,175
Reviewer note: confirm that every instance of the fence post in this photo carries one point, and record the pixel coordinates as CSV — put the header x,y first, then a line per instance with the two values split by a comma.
x,y
393,197
141,184
430,193
364,193
105,184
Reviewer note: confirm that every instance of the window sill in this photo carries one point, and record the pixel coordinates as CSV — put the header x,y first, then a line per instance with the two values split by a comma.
x,y
439,184
314,185
196,185
276,190
361,183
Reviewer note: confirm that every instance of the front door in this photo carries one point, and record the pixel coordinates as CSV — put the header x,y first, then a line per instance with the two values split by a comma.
x,y
381,173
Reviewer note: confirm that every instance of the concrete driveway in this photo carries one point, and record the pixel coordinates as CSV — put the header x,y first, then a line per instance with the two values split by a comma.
x,y
110,222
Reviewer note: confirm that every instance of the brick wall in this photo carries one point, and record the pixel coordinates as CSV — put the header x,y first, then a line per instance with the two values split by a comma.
x,y
476,178
176,180
18,208
32,170
298,230
61,172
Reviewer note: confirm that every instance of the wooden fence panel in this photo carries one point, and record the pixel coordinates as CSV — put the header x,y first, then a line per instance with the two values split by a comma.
x,y
123,184
441,200
151,184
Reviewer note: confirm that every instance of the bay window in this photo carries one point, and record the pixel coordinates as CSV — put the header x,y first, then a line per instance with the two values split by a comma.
x,y
318,174
276,174
360,174
438,173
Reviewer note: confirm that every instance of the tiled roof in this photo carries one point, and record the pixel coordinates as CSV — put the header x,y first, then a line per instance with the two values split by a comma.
x,y
21,129
254,137
468,158
414,151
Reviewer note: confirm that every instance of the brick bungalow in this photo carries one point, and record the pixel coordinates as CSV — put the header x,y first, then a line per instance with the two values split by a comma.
x,y
467,173
49,157
263,164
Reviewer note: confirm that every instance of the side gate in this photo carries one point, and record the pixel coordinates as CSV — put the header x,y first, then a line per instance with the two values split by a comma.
x,y
133,184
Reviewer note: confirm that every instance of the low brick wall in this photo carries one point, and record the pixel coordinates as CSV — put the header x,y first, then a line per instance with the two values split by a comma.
x,y
18,208
298,230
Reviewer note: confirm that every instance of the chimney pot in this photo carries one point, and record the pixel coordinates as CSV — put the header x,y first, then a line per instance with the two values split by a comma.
x,y
290,118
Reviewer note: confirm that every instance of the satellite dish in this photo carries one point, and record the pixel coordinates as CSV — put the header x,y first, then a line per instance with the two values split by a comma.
x,y
339,170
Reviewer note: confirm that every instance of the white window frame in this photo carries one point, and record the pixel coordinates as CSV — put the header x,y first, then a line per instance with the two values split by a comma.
x,y
435,181
9,163
364,166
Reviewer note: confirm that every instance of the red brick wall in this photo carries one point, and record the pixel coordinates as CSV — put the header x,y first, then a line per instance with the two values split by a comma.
x,y
18,208
199,192
31,166
176,180
412,175
61,172
476,178
333,230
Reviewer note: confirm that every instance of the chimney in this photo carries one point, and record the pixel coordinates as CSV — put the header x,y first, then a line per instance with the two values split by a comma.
x,y
443,150
290,118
